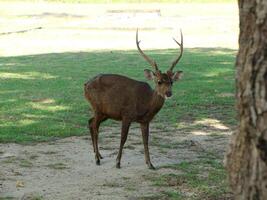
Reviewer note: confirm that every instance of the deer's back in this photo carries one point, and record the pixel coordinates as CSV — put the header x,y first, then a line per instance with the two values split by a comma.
x,y
117,96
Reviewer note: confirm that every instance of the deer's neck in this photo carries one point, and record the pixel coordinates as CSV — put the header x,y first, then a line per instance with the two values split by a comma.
x,y
156,103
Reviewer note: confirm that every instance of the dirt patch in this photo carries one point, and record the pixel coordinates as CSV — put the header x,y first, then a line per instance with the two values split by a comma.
x,y
65,169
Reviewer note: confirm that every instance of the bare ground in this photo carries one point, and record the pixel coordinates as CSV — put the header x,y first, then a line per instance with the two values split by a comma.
x,y
65,168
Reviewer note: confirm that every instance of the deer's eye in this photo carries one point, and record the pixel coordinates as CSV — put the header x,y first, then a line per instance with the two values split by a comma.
x,y
159,82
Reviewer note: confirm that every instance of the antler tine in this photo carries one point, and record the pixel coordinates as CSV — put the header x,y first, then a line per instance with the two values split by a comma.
x,y
151,62
181,45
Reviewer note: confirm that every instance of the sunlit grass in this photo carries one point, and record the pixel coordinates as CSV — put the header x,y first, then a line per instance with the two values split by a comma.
x,y
28,75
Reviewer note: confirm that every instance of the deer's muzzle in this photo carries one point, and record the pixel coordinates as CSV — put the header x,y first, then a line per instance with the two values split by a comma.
x,y
168,94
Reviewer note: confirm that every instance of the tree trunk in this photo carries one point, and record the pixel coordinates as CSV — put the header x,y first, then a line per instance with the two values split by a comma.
x,y
246,161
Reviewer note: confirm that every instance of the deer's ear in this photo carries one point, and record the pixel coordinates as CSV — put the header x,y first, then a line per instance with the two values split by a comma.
x,y
177,75
149,74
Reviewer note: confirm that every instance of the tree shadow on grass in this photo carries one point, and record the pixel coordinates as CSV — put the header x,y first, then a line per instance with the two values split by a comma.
x,y
42,95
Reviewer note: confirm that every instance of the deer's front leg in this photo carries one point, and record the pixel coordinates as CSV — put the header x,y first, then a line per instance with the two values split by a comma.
x,y
124,133
145,135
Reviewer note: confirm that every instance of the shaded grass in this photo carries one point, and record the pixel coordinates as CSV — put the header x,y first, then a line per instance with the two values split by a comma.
x,y
41,96
150,197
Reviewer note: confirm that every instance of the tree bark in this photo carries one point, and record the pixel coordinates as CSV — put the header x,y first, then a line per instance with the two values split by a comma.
x,y
246,161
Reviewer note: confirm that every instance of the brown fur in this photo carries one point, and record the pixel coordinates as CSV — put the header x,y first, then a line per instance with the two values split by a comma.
x,y
121,98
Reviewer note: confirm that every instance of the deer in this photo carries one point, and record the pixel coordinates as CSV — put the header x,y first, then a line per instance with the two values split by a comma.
x,y
117,97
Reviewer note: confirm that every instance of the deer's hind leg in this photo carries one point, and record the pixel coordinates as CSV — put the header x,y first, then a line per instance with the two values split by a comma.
x,y
94,124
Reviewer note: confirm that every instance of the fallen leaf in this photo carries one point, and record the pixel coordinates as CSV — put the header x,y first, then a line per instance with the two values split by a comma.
x,y
19,184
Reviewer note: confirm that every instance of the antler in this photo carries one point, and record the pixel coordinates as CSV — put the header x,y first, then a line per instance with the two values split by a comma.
x,y
151,62
181,53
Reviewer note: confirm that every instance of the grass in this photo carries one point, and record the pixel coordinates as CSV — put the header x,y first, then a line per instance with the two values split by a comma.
x,y
173,195
200,179
57,166
11,159
25,163
41,96
21,162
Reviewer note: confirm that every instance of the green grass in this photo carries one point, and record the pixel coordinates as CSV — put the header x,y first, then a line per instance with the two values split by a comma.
x,y
41,96
201,179
173,195
25,163
7,198
57,166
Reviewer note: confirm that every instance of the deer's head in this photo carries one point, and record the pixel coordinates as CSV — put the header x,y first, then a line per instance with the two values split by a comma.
x,y
163,81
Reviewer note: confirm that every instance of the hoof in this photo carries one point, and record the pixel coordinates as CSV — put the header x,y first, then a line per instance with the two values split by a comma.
x,y
150,166
99,155
97,162
118,165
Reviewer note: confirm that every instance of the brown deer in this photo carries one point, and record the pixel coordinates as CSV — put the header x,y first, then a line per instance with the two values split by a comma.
x,y
121,98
